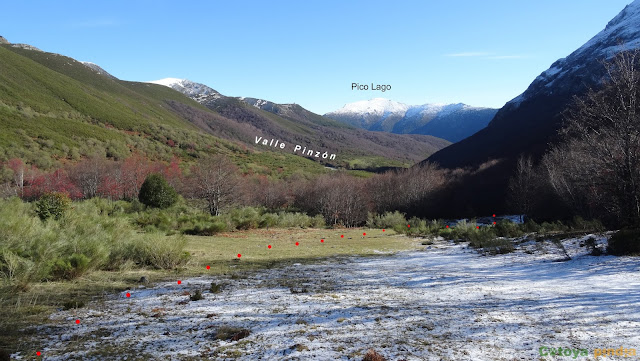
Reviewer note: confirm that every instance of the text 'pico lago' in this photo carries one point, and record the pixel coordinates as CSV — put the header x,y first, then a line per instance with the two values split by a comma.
x,y
379,87
297,149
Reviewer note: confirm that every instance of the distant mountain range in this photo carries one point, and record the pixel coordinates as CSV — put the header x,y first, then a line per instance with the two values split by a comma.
x,y
528,123
292,123
452,122
55,109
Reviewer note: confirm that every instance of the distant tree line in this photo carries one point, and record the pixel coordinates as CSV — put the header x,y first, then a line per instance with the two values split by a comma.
x,y
219,185
593,172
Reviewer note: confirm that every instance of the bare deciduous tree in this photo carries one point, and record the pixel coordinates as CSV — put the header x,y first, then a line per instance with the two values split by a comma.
x,y
599,164
383,192
270,193
216,181
87,175
523,186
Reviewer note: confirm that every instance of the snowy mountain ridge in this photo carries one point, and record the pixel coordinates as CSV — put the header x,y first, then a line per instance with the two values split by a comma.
x,y
207,96
528,123
377,106
97,68
452,122
621,33
381,106
196,91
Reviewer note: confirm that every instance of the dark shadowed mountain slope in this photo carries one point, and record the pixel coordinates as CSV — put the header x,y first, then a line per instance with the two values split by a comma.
x,y
528,122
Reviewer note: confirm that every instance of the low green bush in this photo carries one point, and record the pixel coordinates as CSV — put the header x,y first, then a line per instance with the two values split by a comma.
x,y
495,245
464,230
155,220
625,242
299,220
268,220
53,205
386,220
206,228
196,296
553,227
156,192
293,220
153,250
69,267
580,224
446,233
73,303
194,221
592,245
530,226
215,287
244,218
85,239
479,238
318,221
109,207
506,228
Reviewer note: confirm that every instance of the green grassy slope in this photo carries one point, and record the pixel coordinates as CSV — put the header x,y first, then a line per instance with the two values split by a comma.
x,y
74,87
293,125
54,109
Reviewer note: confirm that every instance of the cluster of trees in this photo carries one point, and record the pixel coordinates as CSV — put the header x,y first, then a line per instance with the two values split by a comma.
x,y
218,184
89,178
595,170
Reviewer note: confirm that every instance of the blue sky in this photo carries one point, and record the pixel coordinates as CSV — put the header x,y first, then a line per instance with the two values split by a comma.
x,y
481,53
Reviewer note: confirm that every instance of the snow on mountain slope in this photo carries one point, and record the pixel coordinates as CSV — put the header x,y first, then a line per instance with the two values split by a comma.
x,y
98,69
196,91
170,82
529,123
625,26
374,114
424,110
621,33
455,121
377,106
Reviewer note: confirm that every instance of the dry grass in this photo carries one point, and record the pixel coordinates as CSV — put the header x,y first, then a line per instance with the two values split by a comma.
x,y
372,355
20,309
227,333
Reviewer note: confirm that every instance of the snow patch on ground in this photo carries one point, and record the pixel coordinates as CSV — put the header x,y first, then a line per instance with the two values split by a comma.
x,y
446,302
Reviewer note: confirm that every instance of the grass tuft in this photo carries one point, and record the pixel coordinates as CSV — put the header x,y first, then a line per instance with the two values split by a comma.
x,y
372,355
229,333
196,296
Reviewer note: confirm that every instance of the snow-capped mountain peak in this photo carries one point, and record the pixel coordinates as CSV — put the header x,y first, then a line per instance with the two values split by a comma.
x,y
621,33
95,67
452,121
196,91
170,82
530,121
377,106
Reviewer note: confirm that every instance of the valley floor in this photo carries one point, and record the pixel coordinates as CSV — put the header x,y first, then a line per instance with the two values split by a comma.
x,y
445,302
